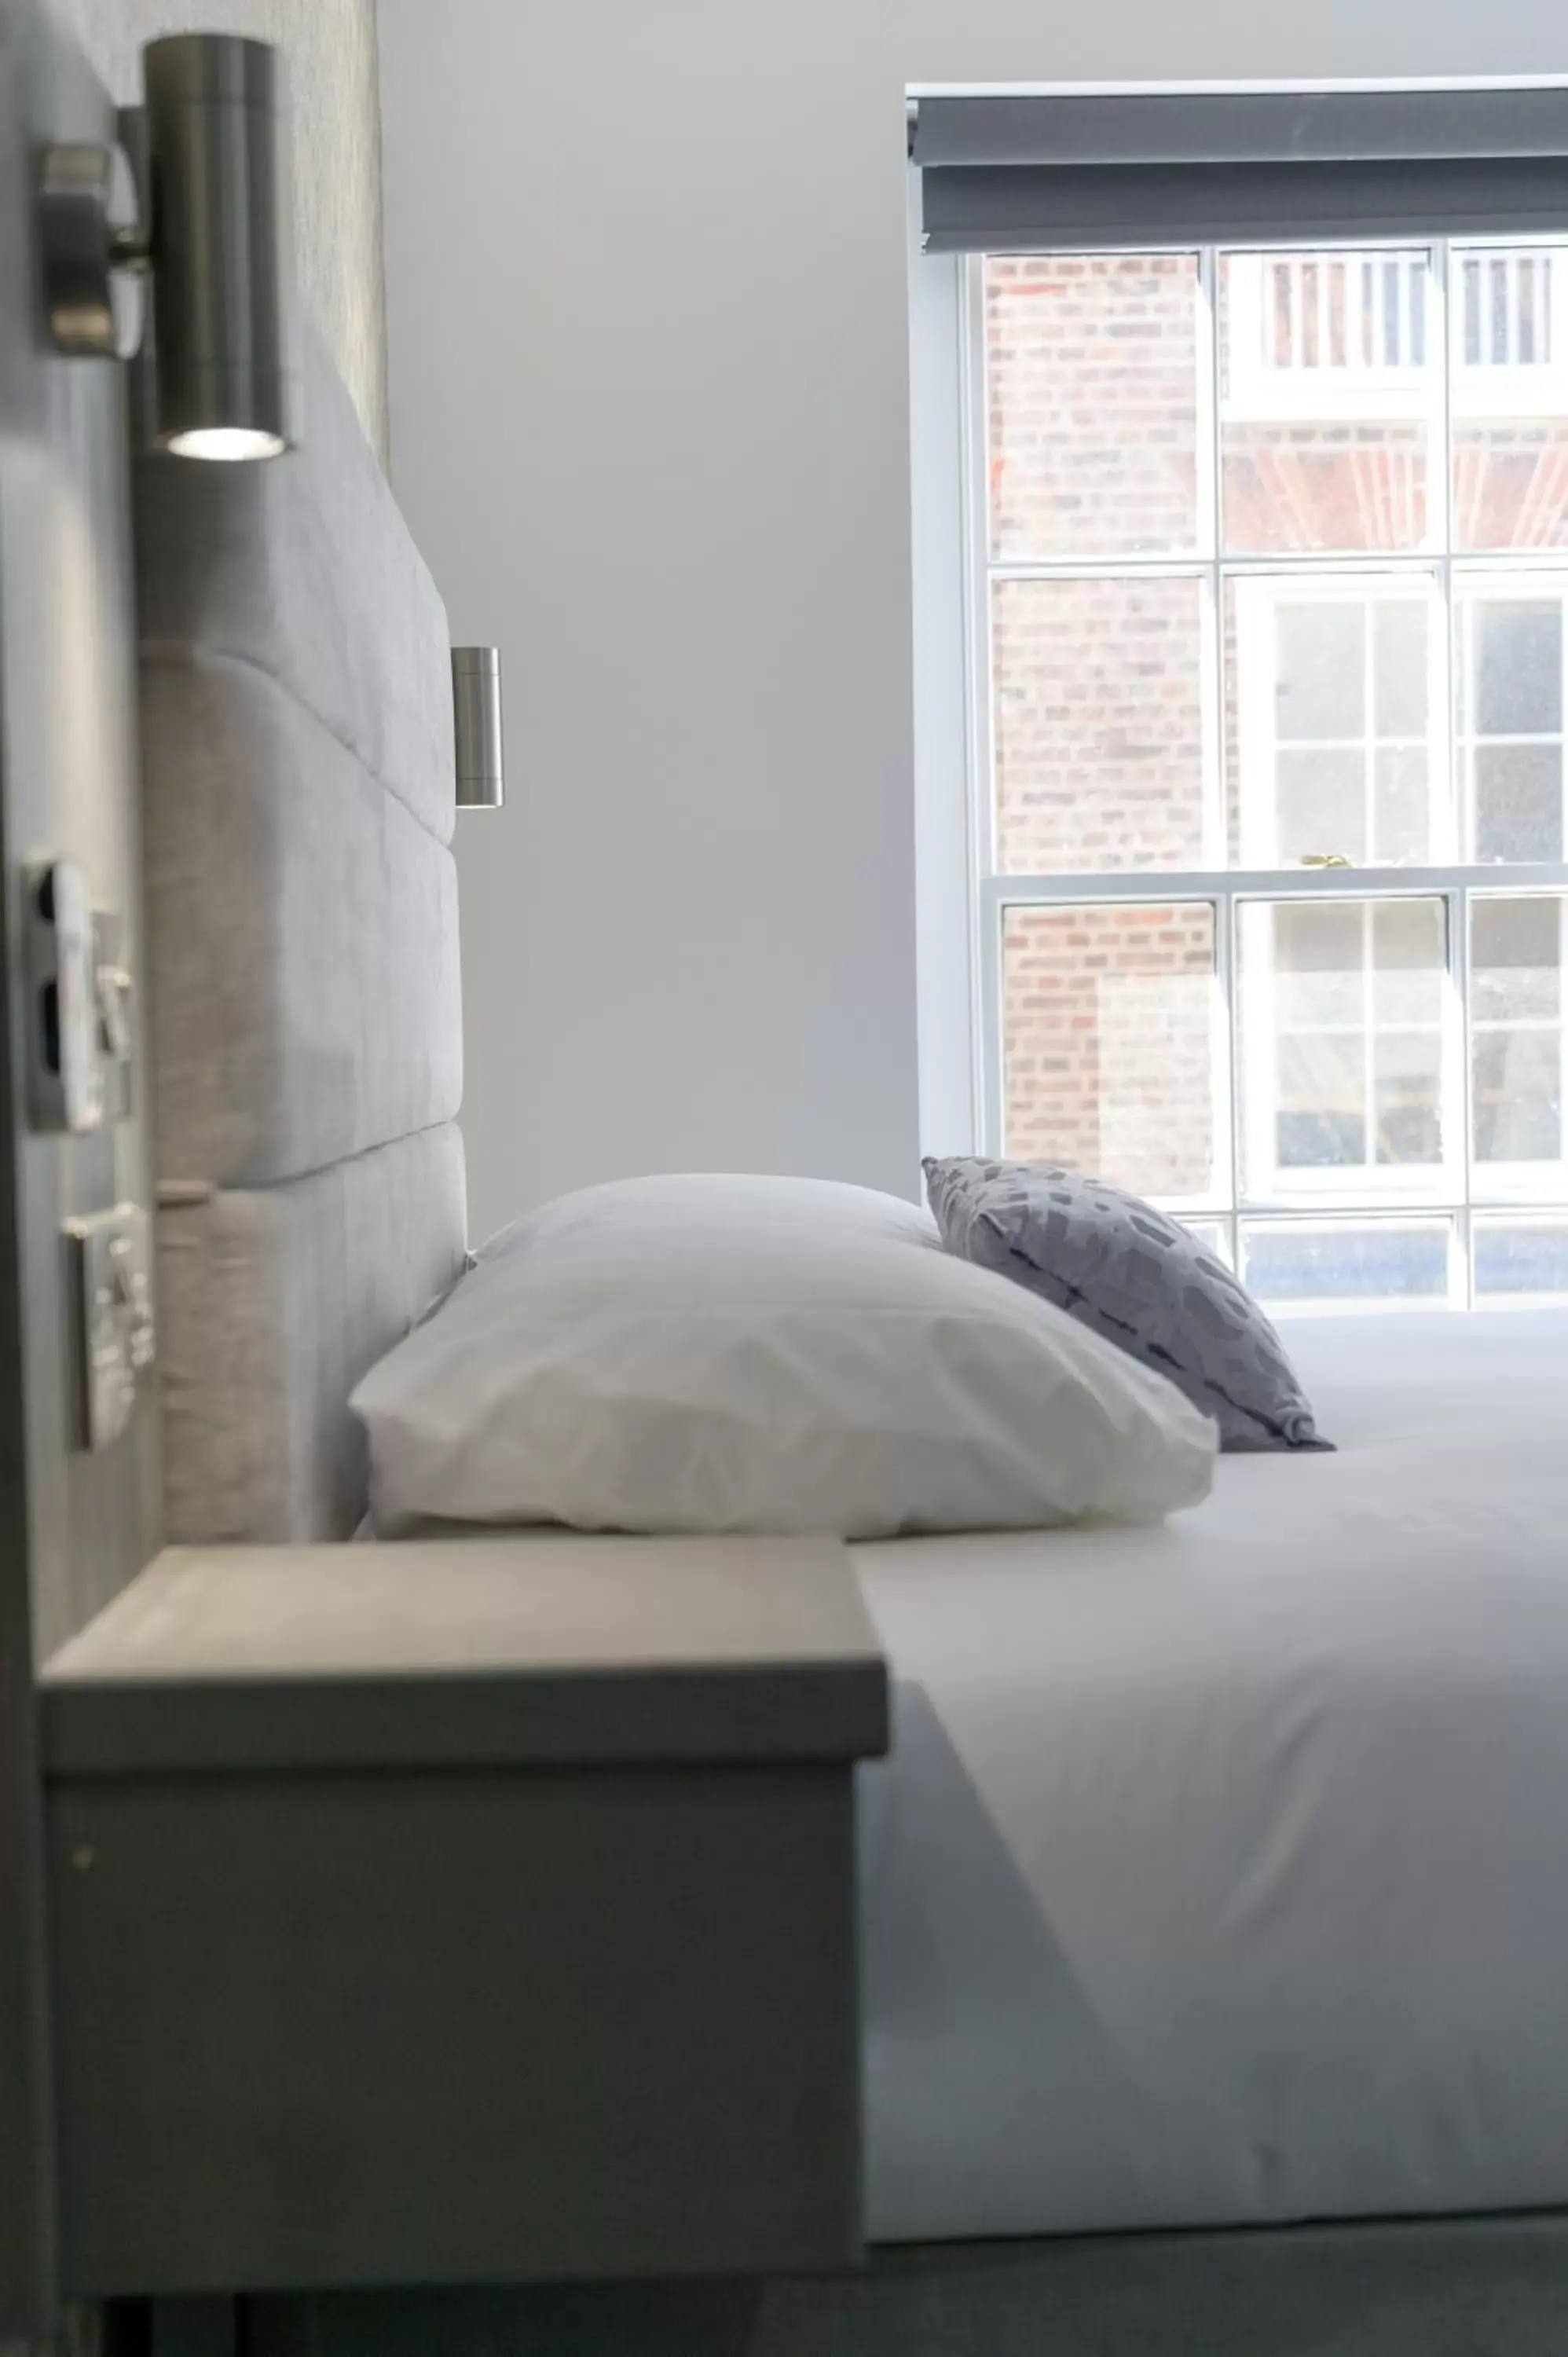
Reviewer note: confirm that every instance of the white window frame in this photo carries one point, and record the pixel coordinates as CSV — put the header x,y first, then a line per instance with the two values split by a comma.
x,y
1395,1198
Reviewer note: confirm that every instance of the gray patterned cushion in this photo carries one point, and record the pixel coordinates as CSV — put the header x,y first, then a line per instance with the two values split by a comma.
x,y
1135,1278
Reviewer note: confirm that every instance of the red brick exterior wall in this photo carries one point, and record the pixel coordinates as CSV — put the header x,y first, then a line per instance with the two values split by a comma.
x,y
1091,362
1511,486
1109,1065
1098,727
1097,683
1294,489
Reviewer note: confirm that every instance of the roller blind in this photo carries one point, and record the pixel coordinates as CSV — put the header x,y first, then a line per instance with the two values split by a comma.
x,y
1077,173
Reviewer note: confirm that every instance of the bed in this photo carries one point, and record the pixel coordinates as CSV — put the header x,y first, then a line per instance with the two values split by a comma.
x,y
1218,1877
1219,1874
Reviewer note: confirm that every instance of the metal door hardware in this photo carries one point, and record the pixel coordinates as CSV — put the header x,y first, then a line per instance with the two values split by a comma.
x,y
94,253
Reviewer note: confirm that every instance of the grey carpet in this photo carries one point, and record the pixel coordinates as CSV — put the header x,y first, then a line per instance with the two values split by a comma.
x,y
1493,2287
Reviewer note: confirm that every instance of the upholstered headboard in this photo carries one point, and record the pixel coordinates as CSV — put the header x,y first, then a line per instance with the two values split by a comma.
x,y
302,922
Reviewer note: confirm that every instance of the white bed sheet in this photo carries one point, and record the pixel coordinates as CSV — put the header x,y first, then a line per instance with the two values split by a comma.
x,y
1219,1873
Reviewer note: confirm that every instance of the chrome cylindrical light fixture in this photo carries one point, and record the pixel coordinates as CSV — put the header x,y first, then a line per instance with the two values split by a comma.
x,y
476,724
226,369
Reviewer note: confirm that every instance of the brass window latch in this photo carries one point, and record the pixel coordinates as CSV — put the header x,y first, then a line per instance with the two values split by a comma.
x,y
1325,860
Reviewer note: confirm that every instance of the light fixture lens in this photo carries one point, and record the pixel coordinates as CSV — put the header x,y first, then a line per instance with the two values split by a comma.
x,y
229,443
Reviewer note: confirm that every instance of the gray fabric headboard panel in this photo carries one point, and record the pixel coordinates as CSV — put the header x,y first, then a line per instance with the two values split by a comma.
x,y
275,1301
302,936
304,567
305,1020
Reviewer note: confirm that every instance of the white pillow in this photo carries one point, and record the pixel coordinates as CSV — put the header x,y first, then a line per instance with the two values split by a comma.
x,y
762,1355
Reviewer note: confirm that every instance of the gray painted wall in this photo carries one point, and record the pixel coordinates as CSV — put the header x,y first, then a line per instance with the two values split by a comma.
x,y
650,416
646,317
331,48
75,1527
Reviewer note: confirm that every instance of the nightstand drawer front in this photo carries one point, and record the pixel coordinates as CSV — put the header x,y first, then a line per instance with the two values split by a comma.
x,y
382,2028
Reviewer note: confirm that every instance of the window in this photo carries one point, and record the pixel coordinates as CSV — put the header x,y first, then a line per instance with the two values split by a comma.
x,y
1268,567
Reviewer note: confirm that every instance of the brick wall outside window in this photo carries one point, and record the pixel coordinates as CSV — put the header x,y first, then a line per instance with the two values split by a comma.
x,y
1098,730
1108,1037
1092,366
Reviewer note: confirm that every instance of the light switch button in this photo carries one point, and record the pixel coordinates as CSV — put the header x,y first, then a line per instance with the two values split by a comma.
x,y
113,1314
67,1077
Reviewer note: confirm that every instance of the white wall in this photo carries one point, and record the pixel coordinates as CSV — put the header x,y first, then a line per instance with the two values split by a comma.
x,y
649,390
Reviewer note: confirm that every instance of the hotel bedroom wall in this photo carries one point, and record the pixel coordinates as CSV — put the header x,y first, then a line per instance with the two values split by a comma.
x,y
667,467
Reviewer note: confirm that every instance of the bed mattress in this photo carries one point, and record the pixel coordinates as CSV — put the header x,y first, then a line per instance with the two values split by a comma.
x,y
1220,1871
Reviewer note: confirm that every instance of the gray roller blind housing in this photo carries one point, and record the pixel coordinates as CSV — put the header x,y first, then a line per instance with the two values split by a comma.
x,y
1016,174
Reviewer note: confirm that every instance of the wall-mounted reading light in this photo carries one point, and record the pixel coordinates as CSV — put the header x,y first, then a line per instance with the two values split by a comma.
x,y
226,373
476,724
218,249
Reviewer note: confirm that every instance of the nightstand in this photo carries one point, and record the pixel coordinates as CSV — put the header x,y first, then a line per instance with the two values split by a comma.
x,y
470,1909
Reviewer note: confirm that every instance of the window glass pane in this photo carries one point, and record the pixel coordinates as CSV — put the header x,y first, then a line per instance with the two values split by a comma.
x,y
1408,962
1519,801
1407,1091
1517,665
1517,1049
1509,705
1523,1261
1099,725
1320,671
1091,364
1401,806
1342,1045
1518,1098
1516,958
1327,381
1329,698
1508,306
1320,805
1318,960
1400,667
1112,1037
1320,1100
1335,1264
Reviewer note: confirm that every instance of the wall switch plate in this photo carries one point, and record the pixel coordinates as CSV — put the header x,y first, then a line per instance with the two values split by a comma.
x,y
66,1072
111,1291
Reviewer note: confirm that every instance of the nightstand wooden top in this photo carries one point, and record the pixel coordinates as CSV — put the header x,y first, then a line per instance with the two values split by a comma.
x,y
521,1647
